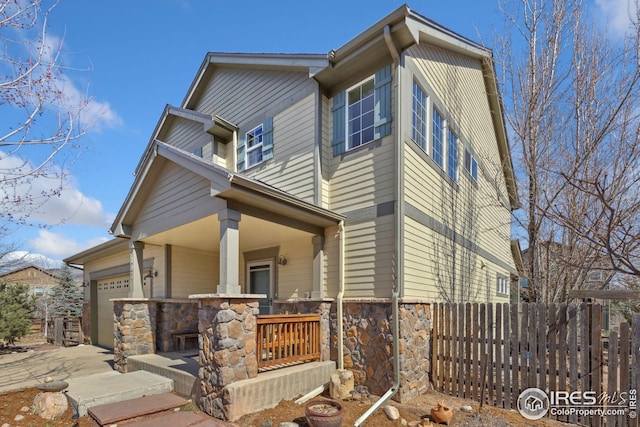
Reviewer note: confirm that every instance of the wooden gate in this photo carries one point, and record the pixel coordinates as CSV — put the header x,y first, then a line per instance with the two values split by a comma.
x,y
491,353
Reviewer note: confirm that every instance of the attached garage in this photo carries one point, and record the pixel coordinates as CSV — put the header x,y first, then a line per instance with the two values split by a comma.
x,y
107,289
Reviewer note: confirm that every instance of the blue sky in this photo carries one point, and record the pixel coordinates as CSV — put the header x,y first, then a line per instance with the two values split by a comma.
x,y
134,57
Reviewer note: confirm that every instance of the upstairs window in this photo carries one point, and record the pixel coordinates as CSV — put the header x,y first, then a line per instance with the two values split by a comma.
x,y
419,120
254,146
471,165
360,114
452,156
437,141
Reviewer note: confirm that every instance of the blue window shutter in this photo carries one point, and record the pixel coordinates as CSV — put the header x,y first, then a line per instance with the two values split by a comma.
x,y
339,115
267,139
241,152
383,102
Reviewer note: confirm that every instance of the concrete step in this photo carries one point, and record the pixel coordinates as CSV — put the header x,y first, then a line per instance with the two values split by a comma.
x,y
112,413
181,369
109,387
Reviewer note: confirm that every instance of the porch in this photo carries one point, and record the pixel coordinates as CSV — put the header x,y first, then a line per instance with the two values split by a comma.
x,y
244,362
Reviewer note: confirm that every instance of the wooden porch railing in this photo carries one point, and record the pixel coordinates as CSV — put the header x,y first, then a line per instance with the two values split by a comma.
x,y
285,339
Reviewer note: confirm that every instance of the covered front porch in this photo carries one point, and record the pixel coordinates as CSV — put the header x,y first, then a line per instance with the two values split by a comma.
x,y
238,350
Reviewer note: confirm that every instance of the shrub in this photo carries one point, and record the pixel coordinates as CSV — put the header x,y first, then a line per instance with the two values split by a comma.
x,y
15,317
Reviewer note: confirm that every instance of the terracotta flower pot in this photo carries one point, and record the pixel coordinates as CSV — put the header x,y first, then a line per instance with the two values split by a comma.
x,y
441,414
324,413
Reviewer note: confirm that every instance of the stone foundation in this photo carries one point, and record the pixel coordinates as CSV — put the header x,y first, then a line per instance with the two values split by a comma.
x,y
368,345
134,328
227,343
174,316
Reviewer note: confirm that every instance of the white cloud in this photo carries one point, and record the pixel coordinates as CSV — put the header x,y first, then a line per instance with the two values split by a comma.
x,y
618,13
56,245
69,205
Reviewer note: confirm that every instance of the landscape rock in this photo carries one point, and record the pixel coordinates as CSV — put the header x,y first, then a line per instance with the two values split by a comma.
x,y
48,380
25,409
18,417
49,405
289,424
466,408
391,412
6,425
341,384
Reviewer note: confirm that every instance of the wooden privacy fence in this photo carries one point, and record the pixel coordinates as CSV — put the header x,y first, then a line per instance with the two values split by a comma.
x,y
284,339
491,353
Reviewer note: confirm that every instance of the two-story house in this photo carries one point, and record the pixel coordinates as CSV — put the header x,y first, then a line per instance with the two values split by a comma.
x,y
364,184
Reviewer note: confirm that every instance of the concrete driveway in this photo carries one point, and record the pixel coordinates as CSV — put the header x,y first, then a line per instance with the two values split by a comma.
x,y
22,370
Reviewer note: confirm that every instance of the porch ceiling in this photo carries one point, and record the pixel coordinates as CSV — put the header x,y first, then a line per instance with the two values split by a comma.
x,y
204,234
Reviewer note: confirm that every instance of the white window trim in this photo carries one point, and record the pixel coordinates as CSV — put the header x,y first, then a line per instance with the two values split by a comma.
x,y
502,285
427,119
255,147
347,141
473,159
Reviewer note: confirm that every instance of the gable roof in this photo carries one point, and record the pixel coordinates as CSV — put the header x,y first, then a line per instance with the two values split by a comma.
x,y
236,189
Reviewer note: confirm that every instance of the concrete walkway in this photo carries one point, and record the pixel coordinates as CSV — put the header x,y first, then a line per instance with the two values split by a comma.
x,y
22,370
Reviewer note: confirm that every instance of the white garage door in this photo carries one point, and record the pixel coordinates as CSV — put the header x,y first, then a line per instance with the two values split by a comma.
x,y
116,287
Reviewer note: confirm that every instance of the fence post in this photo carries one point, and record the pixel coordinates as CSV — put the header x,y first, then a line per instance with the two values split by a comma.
x,y
59,331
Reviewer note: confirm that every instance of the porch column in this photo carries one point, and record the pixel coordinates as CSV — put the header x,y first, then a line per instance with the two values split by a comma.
x,y
136,269
318,266
229,252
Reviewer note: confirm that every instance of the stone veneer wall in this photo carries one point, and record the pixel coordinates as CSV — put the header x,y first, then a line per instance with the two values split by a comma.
x,y
326,309
174,316
227,343
415,349
134,329
368,345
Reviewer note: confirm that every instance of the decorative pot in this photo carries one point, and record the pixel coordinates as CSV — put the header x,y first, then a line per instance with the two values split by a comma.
x,y
324,413
441,414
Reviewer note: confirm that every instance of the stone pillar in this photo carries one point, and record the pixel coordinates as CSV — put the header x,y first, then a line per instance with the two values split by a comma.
x,y
134,330
229,252
136,269
318,267
228,330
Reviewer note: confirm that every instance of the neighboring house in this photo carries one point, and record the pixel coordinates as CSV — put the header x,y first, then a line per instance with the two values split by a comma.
x,y
39,280
372,180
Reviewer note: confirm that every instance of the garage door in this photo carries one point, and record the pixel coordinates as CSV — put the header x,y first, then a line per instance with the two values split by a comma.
x,y
116,287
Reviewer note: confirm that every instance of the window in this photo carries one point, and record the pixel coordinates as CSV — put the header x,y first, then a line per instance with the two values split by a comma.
x,y
471,165
437,142
502,285
452,156
360,114
419,123
198,152
254,146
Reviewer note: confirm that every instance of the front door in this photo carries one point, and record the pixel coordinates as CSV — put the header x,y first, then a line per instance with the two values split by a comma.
x,y
260,275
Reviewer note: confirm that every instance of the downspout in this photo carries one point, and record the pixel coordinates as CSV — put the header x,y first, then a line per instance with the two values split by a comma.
x,y
340,298
396,283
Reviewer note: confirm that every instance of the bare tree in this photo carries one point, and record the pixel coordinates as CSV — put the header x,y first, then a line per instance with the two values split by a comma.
x,y
572,105
41,116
